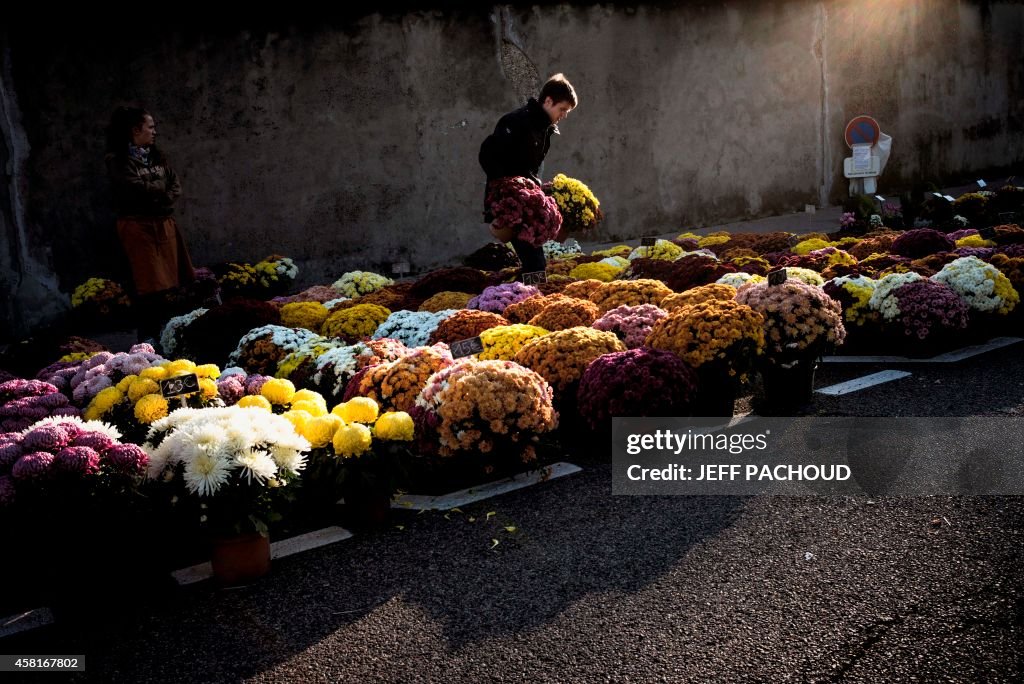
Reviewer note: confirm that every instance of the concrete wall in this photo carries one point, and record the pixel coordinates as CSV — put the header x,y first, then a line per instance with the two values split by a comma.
x,y
353,144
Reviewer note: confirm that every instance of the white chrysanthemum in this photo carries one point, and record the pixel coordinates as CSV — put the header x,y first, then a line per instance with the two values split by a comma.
x,y
616,261
858,280
204,435
256,463
232,370
699,252
159,458
288,460
205,473
413,328
553,249
883,299
976,281
334,302
169,335
739,279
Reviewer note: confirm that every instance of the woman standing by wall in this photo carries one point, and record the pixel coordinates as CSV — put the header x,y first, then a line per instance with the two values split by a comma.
x,y
145,189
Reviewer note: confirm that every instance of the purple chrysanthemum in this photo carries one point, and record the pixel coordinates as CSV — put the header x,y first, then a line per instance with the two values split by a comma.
x,y
128,459
49,437
6,490
33,465
96,441
16,389
497,298
254,383
77,460
231,389
637,382
631,324
9,453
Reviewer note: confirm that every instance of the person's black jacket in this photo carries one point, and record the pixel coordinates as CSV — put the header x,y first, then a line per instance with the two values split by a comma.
x,y
518,145
140,190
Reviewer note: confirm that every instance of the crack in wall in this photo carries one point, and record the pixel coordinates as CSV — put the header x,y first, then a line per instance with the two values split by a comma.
x,y
516,65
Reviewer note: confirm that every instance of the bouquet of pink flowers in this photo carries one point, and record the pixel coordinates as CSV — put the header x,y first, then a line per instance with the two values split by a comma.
x,y
521,207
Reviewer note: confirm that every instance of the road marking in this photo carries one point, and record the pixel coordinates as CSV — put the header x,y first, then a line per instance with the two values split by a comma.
x,y
278,549
948,357
445,502
23,622
858,384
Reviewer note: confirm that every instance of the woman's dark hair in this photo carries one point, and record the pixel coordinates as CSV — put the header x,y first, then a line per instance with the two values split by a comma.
x,y
119,133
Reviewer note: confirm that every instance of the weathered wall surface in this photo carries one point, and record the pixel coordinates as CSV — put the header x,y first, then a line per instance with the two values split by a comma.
x,y
353,144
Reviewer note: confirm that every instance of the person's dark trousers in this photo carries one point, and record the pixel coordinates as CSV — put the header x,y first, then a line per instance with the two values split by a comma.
x,y
531,257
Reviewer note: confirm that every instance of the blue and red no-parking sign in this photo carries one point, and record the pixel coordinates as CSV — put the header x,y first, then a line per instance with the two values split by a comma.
x,y
862,130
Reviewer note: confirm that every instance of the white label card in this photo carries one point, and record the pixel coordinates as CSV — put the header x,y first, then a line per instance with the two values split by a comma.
x,y
861,157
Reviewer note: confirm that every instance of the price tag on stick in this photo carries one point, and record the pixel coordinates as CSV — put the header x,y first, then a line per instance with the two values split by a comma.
x,y
535,278
777,277
467,347
648,241
179,386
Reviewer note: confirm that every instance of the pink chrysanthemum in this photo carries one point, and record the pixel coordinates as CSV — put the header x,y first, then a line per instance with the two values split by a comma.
x,y
77,460
31,466
128,459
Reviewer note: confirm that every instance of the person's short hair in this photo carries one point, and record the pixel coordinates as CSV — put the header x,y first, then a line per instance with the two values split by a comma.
x,y
558,89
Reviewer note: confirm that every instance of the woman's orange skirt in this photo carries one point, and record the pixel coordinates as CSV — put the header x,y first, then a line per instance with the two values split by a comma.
x,y
157,253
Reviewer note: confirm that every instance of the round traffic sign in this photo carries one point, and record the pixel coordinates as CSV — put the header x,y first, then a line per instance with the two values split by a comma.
x,y
862,130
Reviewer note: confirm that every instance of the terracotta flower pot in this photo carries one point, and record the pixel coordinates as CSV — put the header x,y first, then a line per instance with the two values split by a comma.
x,y
788,384
503,234
241,559
367,509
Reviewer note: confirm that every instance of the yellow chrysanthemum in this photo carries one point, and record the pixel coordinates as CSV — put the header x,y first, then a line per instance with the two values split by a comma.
x,y
319,431
712,240
126,382
617,250
254,400
154,373
310,395
150,408
974,241
396,425
808,246
597,271
180,367
143,386
352,440
357,410
208,388
278,391
297,418
208,370
106,398
313,408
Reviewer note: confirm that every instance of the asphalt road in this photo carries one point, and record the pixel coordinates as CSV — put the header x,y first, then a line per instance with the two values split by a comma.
x,y
587,587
